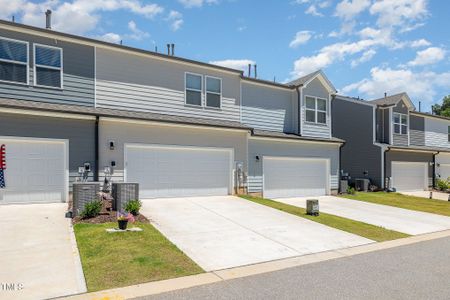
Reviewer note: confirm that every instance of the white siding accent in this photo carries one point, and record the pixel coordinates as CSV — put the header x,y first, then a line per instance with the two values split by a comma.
x,y
436,131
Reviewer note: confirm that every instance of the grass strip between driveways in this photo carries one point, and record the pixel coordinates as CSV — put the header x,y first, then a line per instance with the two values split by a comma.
x,y
369,231
119,259
433,206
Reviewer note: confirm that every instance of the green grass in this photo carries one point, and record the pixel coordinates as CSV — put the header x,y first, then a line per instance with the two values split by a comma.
x,y
408,202
369,231
125,258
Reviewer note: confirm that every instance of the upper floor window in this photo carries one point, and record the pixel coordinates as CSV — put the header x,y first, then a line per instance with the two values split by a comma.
x,y
48,66
13,61
400,123
193,89
213,91
316,110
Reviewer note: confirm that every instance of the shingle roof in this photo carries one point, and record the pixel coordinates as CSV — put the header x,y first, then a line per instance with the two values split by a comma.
x,y
304,79
273,134
389,100
113,113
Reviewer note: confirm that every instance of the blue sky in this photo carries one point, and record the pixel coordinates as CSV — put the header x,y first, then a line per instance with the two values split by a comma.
x,y
365,47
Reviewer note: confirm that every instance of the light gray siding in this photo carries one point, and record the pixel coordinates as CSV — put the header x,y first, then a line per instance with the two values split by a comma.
x,y
274,147
353,123
134,82
147,133
316,89
400,139
78,74
393,155
416,130
268,108
436,132
80,133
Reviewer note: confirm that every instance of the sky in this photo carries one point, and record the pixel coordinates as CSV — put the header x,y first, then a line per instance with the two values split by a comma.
x,y
365,47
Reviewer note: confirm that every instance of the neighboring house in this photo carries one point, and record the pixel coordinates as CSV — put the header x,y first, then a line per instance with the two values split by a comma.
x,y
391,143
178,127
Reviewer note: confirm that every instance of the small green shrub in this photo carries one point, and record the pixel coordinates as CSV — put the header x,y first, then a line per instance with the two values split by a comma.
x,y
442,185
91,209
133,207
351,190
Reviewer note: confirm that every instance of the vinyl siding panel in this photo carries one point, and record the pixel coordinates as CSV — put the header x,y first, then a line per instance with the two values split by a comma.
x,y
416,130
316,89
436,132
268,108
78,74
353,123
80,133
158,86
400,139
269,147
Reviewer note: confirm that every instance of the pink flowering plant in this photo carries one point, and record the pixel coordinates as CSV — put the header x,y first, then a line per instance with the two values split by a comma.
x,y
125,217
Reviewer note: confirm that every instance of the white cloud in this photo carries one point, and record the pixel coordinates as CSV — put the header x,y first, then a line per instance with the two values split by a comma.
x,y
136,33
399,12
365,57
312,10
348,9
324,4
176,20
238,64
428,56
301,37
196,3
110,37
419,86
420,43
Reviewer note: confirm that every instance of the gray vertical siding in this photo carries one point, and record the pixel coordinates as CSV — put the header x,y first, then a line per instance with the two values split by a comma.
x,y
134,82
316,89
268,108
416,130
78,73
353,123
393,155
387,125
80,134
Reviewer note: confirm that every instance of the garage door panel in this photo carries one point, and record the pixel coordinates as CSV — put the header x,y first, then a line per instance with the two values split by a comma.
x,y
293,177
170,171
409,176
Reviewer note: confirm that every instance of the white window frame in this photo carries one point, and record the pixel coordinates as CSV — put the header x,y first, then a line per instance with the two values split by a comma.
x,y
194,90
400,124
60,69
215,93
18,62
316,110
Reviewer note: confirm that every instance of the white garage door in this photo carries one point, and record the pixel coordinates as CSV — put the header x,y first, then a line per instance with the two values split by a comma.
x,y
36,171
444,171
409,176
176,171
295,177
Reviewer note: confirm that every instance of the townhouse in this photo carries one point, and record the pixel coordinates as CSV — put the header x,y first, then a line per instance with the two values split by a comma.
x,y
72,106
391,143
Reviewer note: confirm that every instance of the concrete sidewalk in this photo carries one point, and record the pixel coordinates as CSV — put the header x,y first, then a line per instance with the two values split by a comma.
x,y
38,252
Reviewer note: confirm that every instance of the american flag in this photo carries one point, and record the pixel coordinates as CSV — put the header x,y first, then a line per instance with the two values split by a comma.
x,y
2,166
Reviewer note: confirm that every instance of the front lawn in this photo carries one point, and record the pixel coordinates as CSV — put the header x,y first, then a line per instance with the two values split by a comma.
x,y
119,259
369,231
408,202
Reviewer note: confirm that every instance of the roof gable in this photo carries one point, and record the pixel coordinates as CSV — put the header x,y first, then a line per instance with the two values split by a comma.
x,y
394,100
305,80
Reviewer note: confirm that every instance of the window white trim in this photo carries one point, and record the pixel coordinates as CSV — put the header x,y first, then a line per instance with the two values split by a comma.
x,y
194,90
316,110
400,124
60,69
27,63
215,93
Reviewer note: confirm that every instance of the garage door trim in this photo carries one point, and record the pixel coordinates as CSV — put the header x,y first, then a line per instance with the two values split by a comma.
x,y
425,170
48,140
327,168
187,147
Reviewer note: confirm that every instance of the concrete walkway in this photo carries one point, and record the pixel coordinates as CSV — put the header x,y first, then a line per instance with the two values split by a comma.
x,y
426,194
38,253
224,232
398,219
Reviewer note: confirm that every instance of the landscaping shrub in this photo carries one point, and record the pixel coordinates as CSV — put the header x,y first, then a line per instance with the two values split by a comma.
x,y
442,185
351,190
133,207
91,209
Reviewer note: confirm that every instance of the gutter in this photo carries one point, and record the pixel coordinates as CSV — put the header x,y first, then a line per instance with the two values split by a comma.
x,y
340,164
434,169
299,103
97,147
386,150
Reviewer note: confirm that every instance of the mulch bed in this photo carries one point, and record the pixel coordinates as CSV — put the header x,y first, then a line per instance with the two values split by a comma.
x,y
106,218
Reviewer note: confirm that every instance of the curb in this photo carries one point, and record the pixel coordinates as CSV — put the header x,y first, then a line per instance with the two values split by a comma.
x,y
157,287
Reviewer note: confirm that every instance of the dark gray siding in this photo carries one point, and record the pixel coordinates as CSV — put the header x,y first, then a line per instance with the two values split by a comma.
x,y
387,119
382,125
400,139
401,108
408,156
80,134
353,123
416,130
78,73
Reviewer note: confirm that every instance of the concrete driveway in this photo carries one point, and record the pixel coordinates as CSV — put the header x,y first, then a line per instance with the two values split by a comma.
x,y
225,231
426,194
38,254
398,219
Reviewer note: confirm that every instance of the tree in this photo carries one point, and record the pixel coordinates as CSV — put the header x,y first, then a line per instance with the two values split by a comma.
x,y
442,109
